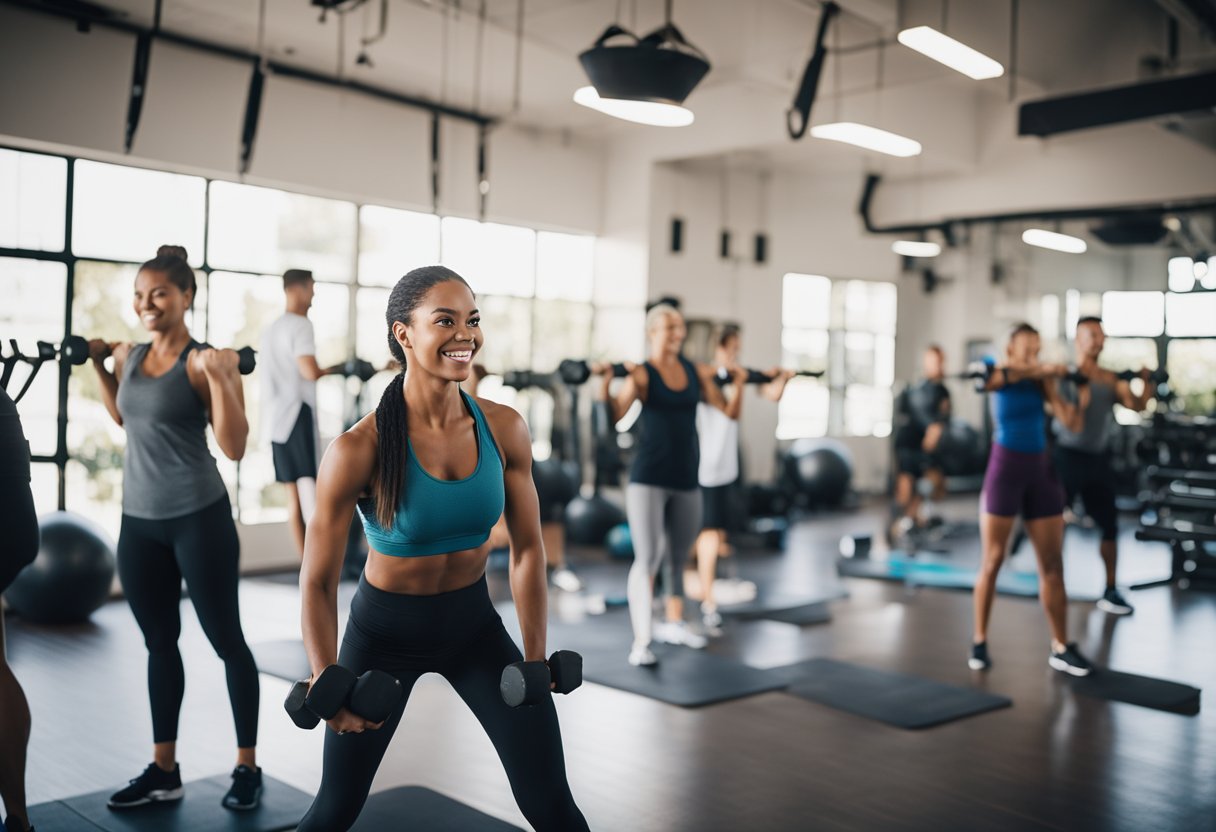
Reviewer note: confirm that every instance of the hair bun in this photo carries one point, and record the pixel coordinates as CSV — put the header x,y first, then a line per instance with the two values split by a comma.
x,y
172,251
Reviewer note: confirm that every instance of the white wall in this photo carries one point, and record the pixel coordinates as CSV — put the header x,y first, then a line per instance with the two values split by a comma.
x,y
66,90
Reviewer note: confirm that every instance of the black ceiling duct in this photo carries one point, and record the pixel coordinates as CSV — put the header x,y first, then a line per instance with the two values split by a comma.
x,y
1144,230
662,67
1151,99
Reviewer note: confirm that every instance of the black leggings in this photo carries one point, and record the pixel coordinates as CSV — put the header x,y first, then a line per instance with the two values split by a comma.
x,y
1090,476
21,536
459,635
153,557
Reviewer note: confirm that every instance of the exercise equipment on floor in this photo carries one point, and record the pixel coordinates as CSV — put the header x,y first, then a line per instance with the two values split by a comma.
x,y
816,473
426,809
1181,511
72,574
897,699
280,808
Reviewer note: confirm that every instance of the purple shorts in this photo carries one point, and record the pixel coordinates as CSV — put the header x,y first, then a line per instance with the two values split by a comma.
x,y
1020,483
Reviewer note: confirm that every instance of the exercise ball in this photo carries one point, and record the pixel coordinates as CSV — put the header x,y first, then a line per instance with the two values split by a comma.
x,y
818,472
70,577
557,482
588,520
620,541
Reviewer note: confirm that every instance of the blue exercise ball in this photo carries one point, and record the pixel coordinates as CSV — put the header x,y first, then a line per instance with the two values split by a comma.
x,y
71,576
818,472
620,541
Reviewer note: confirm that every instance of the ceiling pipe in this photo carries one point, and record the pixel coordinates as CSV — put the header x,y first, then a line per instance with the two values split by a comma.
x,y
946,227
271,67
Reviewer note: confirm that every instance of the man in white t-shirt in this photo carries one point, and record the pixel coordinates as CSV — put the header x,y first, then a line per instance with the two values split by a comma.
x,y
288,366
718,473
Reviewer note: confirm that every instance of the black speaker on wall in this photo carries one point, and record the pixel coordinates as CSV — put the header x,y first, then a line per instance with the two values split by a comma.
x,y
677,235
761,248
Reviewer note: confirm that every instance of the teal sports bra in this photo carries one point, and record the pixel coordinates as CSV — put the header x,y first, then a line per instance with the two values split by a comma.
x,y
440,516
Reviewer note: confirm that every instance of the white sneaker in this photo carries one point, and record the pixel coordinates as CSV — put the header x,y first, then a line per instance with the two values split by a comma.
x,y
710,617
677,632
642,657
734,591
564,579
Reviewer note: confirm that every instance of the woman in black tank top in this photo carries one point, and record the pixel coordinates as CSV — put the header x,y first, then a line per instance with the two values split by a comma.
x,y
662,499
176,521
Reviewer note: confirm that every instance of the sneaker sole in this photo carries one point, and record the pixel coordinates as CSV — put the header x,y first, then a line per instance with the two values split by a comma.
x,y
245,807
1113,609
1065,667
976,664
160,796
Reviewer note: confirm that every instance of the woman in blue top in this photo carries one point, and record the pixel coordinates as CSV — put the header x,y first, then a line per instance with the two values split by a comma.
x,y
430,471
1021,480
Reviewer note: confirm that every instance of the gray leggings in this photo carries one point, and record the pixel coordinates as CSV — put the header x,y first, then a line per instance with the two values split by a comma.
x,y
662,521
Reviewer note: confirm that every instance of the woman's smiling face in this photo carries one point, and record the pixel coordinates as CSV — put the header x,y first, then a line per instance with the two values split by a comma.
x,y
444,333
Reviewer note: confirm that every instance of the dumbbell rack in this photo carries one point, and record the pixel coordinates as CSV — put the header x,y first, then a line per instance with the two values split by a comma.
x,y
1184,503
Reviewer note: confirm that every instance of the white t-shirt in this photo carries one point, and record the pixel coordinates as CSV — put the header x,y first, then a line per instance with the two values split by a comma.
x,y
284,388
719,435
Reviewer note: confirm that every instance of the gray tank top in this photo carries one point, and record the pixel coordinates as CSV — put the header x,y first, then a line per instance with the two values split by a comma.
x,y
168,471
1095,432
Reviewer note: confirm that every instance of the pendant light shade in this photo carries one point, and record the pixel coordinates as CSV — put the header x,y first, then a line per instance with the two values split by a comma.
x,y
659,69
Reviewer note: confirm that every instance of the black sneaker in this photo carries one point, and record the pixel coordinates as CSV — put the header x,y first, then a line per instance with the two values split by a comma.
x,y
1114,603
246,789
12,825
155,785
979,657
1070,661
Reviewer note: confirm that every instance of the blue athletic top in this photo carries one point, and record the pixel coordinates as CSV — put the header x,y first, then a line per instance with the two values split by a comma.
x,y
439,516
1017,412
668,452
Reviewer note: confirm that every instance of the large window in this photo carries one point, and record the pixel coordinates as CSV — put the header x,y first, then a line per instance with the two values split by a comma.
x,y
848,328
535,289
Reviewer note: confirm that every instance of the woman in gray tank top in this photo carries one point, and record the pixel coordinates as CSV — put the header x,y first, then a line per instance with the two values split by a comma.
x,y
177,521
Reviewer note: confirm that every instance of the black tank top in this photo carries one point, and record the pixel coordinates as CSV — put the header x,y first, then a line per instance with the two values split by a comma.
x,y
668,450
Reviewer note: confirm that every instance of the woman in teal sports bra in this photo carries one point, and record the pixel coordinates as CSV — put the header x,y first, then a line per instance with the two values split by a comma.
x,y
430,471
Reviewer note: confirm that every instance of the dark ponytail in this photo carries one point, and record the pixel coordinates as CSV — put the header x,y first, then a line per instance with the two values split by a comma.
x,y
390,413
171,261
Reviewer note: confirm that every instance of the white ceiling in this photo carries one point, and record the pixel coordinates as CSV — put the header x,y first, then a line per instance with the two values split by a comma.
x,y
431,48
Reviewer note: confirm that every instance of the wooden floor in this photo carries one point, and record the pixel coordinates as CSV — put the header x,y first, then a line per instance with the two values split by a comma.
x,y
770,762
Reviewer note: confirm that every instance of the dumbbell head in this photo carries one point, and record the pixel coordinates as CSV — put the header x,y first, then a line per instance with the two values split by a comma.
x,y
247,360
74,350
524,683
566,669
330,691
375,695
296,708
574,372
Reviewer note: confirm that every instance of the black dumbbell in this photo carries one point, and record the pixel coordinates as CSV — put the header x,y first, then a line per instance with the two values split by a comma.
x,y
374,695
574,372
1155,377
357,368
723,376
527,683
371,696
247,359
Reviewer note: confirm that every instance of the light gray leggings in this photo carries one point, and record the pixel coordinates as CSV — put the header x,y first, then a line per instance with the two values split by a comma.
x,y
662,522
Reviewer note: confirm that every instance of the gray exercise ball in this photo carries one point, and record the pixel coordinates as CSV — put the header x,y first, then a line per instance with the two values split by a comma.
x,y
70,577
818,471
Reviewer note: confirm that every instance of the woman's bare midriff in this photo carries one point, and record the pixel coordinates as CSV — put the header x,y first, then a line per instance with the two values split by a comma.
x,y
429,575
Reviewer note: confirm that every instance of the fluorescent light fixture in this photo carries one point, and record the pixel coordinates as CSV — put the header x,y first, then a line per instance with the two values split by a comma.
x,y
913,248
1181,271
1054,241
871,138
653,113
946,50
